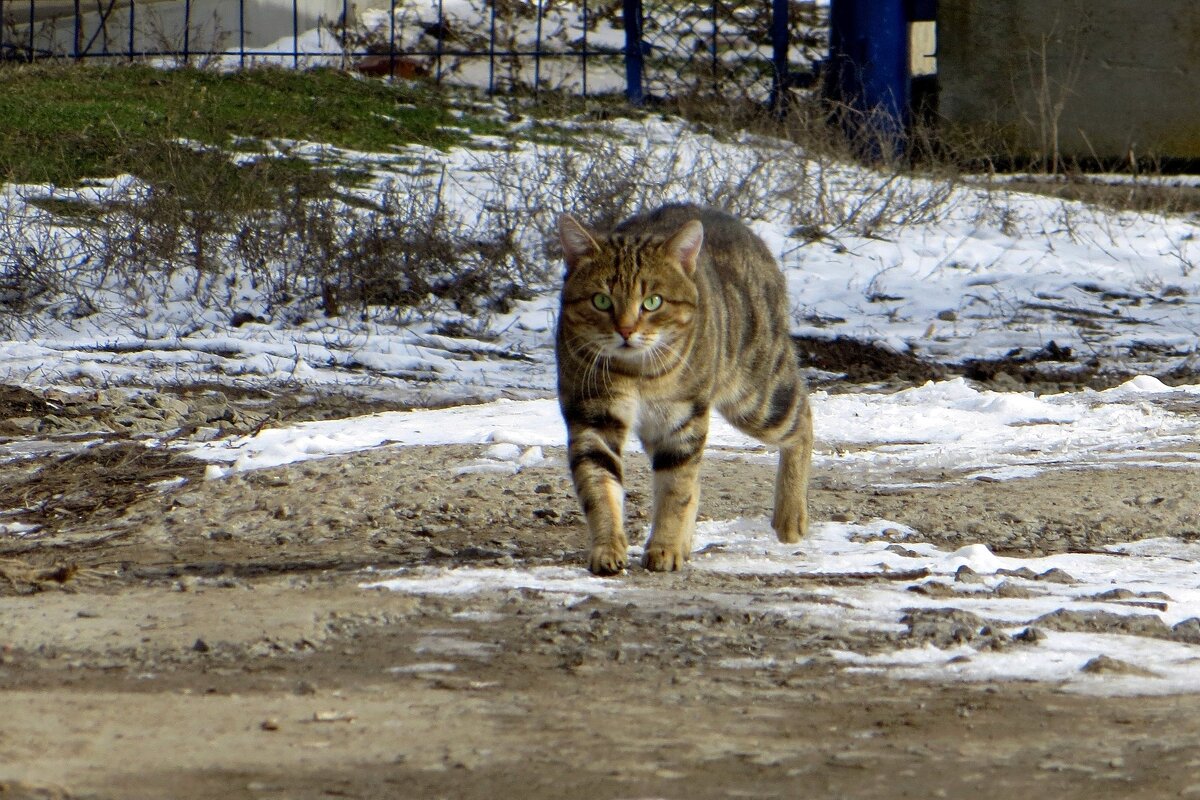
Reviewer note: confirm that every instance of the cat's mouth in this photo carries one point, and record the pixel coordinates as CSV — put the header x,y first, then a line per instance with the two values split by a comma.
x,y
630,346
632,350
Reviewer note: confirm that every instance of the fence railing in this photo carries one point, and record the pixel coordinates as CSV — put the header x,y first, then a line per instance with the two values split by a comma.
x,y
639,47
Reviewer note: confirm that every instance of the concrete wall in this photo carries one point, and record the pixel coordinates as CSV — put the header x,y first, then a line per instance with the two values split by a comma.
x,y
1101,78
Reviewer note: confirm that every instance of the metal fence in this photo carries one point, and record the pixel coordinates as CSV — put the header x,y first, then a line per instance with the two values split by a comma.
x,y
639,47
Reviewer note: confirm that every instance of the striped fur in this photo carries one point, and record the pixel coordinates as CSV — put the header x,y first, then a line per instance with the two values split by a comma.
x,y
674,313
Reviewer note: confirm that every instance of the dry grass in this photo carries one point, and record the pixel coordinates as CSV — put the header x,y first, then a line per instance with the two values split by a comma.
x,y
89,487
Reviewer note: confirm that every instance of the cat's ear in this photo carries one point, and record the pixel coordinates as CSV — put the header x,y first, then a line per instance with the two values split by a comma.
x,y
577,242
684,245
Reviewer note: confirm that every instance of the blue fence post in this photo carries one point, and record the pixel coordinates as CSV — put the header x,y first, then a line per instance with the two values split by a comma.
x,y
241,34
441,41
537,52
583,57
631,11
295,34
779,54
867,71
77,33
716,80
392,41
187,33
492,52
344,40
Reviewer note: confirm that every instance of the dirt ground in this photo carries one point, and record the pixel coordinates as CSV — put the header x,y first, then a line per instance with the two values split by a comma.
x,y
212,639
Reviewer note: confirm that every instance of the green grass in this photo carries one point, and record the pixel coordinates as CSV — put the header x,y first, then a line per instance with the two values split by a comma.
x,y
65,123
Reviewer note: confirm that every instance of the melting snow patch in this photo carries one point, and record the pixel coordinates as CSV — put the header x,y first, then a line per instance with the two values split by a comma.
x,y
948,425
1122,622
562,580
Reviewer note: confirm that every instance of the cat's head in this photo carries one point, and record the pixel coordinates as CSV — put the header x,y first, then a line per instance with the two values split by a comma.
x,y
629,299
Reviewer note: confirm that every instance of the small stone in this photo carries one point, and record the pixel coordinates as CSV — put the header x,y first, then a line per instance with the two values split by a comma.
x,y
933,589
269,724
852,759
947,315
205,433
965,574
201,646
1106,665
1105,622
1056,575
1030,635
1012,591
543,488
1187,631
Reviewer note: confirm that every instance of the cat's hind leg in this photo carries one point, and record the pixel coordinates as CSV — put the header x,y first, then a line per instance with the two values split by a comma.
x,y
781,415
790,519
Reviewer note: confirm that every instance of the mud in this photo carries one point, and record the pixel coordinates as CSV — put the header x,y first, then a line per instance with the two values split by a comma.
x,y
213,639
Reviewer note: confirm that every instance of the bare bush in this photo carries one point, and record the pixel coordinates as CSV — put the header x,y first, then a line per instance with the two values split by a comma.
x,y
606,180
451,246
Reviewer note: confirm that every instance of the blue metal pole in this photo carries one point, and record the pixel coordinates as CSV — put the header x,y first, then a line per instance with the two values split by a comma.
x,y
345,39
295,34
631,11
392,41
441,39
583,57
779,53
868,66
492,52
537,52
716,85
241,34
78,30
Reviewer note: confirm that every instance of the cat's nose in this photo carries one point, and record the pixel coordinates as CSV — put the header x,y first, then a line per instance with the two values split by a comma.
x,y
626,331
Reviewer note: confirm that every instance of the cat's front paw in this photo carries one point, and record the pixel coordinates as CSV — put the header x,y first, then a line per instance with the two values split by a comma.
x,y
790,524
607,559
661,558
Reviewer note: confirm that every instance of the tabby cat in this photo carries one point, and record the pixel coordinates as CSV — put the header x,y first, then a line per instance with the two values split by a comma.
x,y
674,312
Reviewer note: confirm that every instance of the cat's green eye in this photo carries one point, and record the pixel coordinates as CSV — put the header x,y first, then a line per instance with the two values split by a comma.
x,y
601,301
653,302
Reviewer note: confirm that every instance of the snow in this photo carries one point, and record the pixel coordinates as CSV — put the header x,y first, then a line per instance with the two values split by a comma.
x,y
980,273
947,425
950,425
748,547
947,272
